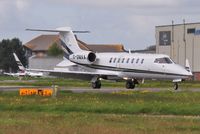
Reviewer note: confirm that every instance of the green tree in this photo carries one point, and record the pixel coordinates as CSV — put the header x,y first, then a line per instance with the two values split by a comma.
x,y
55,50
7,61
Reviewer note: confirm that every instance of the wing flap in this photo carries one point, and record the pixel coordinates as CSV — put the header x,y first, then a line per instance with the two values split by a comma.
x,y
74,72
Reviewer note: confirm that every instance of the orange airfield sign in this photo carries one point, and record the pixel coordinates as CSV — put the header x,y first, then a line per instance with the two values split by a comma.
x,y
35,91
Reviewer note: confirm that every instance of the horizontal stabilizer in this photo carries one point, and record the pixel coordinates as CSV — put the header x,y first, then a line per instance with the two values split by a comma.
x,y
62,29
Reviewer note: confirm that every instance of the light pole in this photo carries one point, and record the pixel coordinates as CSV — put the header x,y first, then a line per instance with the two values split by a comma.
x,y
184,40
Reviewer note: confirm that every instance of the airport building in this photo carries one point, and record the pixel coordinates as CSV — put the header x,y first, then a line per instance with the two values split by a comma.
x,y
180,42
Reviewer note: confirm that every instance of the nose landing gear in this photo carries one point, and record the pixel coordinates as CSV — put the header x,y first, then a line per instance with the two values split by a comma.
x,y
176,83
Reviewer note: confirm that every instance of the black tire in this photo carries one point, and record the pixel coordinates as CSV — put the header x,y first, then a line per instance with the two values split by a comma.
x,y
96,84
133,86
130,85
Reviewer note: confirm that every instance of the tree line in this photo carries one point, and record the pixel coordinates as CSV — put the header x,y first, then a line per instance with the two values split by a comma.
x,y
7,48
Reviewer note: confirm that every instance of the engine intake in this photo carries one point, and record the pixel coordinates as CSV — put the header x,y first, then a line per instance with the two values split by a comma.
x,y
92,57
83,57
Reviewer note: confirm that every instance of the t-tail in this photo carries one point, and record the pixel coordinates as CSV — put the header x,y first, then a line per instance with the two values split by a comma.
x,y
19,64
70,46
68,40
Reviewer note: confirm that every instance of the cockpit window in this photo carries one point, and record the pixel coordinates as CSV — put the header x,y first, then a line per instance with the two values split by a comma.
x,y
164,60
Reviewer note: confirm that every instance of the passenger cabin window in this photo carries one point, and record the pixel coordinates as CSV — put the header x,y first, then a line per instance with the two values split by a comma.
x,y
118,60
142,61
127,60
137,60
110,60
123,60
114,60
132,60
164,60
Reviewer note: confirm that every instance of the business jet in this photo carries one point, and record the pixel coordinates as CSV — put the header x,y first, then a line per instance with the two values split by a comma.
x,y
23,70
18,74
113,66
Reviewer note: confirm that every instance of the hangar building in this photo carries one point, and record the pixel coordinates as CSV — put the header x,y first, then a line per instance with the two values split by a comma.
x,y
180,42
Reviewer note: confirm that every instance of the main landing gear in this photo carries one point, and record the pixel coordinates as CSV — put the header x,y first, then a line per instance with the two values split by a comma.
x,y
176,86
96,83
130,84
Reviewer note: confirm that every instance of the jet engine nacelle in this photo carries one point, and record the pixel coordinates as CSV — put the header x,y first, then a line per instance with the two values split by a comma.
x,y
83,57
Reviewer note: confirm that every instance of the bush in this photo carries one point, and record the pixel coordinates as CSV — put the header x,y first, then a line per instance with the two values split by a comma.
x,y
55,50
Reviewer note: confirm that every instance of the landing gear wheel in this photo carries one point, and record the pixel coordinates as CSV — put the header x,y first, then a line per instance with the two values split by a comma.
x,y
96,84
175,86
130,84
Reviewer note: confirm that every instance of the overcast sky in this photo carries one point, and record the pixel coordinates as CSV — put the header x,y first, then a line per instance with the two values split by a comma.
x,y
129,22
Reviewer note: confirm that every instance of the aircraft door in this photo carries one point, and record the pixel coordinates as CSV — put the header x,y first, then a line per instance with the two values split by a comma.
x,y
163,68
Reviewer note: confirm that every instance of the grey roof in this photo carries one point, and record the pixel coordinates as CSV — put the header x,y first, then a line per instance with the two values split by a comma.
x,y
196,23
42,42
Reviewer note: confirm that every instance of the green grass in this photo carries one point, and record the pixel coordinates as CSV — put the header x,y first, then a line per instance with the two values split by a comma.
x,y
134,102
131,112
87,113
90,123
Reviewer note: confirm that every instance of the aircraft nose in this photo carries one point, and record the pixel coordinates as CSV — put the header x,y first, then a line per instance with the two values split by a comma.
x,y
187,72
184,71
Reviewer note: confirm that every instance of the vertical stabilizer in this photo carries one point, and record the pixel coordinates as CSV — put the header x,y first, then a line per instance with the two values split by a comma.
x,y
68,40
67,37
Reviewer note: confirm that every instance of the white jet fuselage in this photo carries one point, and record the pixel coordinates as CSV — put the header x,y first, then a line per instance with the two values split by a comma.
x,y
127,66
135,65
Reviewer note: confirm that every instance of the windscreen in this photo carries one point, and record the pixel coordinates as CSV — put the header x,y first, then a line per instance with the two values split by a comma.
x,y
164,60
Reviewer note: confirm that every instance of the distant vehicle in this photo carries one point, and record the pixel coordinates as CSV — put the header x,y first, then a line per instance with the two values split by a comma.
x,y
113,66
23,71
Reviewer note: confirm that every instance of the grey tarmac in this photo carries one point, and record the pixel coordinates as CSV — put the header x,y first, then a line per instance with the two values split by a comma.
x,y
102,90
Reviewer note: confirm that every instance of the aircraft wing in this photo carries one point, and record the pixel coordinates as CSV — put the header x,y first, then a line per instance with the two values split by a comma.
x,y
78,74
107,73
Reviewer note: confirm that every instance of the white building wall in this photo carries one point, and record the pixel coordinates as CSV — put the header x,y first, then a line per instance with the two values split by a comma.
x,y
196,59
44,63
177,49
